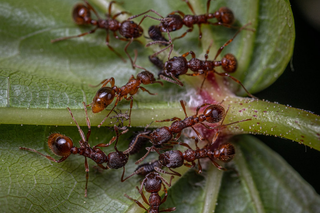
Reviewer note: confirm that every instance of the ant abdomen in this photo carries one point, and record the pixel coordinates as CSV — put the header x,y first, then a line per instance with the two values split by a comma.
x,y
214,113
171,159
117,160
229,63
155,34
225,15
60,145
177,66
102,99
225,152
81,14
129,29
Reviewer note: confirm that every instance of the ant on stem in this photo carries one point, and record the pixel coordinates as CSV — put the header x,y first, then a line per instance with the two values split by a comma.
x,y
177,66
152,184
105,95
164,136
128,29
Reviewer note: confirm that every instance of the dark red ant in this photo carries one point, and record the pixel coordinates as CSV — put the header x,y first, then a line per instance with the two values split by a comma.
x,y
62,145
128,29
152,183
163,136
177,66
105,95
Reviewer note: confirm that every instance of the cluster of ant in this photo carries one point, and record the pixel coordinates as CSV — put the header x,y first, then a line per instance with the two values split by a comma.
x,y
163,138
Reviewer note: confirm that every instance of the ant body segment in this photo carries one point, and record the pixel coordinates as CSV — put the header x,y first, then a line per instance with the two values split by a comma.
x,y
105,95
152,183
177,66
128,29
164,136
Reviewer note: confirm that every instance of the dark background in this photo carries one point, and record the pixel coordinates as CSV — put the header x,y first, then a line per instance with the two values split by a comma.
x,y
299,88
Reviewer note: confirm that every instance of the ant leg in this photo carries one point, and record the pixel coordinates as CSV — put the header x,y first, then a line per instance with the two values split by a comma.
x,y
136,201
143,196
142,184
172,119
88,122
103,167
165,194
237,81
168,184
157,169
199,72
204,79
180,143
111,48
208,50
184,34
190,52
228,42
190,7
135,16
120,13
176,79
91,8
47,156
125,49
177,11
177,136
217,165
183,105
134,143
76,36
165,78
115,104
80,130
208,6
198,134
134,173
123,175
143,157
145,90
131,104
87,176
105,82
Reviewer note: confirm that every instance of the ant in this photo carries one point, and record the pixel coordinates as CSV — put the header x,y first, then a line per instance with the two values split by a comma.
x,y
128,29
62,146
152,183
163,136
105,95
177,66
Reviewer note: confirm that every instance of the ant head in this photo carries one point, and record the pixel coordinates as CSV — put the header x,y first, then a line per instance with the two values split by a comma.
x,y
81,14
129,29
225,152
117,160
146,77
229,63
177,66
102,99
171,23
171,159
153,182
225,15
59,144
214,113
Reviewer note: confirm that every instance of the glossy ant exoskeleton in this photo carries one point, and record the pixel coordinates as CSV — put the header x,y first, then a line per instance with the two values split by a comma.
x,y
62,146
128,29
177,66
164,136
105,95
152,183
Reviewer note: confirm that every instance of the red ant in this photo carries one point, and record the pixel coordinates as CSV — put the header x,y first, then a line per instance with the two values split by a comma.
x,y
105,95
164,135
62,146
128,29
177,66
152,183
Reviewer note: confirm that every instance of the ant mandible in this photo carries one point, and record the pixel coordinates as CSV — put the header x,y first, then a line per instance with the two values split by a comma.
x,y
152,183
163,136
177,66
62,146
128,29
105,95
